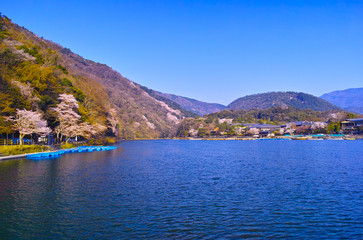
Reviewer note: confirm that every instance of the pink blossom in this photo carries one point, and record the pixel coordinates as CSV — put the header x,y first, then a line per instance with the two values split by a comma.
x,y
28,122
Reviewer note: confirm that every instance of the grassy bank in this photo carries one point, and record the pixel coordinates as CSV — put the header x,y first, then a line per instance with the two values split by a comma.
x,y
15,150
67,145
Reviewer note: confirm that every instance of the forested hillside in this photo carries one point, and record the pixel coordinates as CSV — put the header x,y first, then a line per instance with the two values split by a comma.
x,y
281,99
35,71
279,115
193,105
171,103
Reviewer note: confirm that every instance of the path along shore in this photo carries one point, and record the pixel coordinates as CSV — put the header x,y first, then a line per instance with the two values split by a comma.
x,y
11,157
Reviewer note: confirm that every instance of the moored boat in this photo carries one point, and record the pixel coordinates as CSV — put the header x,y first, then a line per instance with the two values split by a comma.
x,y
56,154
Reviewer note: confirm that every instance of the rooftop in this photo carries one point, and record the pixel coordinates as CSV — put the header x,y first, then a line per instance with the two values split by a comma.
x,y
258,125
355,119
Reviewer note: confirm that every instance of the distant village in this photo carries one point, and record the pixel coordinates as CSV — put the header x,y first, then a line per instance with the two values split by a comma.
x,y
349,129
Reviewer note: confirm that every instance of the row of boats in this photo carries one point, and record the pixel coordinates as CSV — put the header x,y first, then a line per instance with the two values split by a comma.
x,y
55,154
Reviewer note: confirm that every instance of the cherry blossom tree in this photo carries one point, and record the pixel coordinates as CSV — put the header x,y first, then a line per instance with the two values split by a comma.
x,y
69,119
254,131
29,122
318,125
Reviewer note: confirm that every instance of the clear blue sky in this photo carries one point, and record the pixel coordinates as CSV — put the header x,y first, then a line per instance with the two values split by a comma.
x,y
215,51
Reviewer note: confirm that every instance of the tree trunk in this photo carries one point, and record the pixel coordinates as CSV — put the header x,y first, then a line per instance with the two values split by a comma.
x,y
21,139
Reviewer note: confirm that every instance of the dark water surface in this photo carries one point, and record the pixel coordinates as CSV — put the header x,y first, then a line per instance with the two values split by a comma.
x,y
169,189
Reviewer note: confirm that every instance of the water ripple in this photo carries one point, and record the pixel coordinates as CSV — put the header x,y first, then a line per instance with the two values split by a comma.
x,y
188,190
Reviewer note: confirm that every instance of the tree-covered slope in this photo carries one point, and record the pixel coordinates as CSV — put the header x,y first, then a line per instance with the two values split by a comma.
x,y
193,105
35,71
171,103
280,115
349,99
297,100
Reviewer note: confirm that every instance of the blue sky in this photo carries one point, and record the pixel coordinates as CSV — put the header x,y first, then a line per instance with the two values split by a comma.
x,y
214,51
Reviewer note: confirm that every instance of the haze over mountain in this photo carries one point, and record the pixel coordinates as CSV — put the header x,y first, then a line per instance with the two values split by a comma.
x,y
297,100
349,99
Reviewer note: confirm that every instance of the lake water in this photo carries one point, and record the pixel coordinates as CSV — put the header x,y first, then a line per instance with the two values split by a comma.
x,y
175,189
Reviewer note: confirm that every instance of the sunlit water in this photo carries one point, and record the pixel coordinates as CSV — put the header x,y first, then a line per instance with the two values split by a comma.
x,y
170,189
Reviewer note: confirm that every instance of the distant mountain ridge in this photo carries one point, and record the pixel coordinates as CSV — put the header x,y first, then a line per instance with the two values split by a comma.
x,y
160,96
193,105
349,99
297,100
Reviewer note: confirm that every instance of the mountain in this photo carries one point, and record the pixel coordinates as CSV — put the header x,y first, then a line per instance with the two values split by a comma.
x,y
297,100
193,105
160,96
350,99
279,115
34,71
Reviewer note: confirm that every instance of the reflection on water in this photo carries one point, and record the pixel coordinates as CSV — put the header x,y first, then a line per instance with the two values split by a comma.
x,y
188,189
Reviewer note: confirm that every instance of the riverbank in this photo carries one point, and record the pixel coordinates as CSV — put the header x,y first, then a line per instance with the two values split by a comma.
x,y
57,153
18,156
8,150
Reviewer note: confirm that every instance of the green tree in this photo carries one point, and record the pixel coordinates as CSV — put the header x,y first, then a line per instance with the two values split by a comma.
x,y
351,115
209,120
334,127
202,132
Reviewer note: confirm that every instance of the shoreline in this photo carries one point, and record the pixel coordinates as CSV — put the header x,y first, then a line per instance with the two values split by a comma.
x,y
20,156
277,139
57,153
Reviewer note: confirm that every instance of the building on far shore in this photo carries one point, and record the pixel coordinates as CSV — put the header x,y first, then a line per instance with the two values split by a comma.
x,y
296,124
352,123
262,127
263,130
